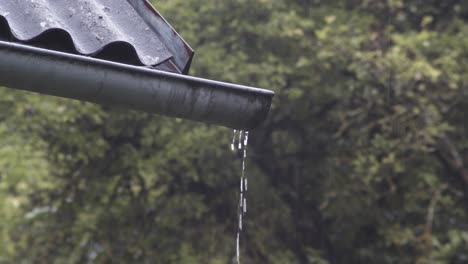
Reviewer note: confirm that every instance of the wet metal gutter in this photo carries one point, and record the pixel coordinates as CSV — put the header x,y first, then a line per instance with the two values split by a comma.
x,y
139,88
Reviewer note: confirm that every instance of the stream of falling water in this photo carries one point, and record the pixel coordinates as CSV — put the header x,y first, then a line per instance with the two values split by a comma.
x,y
243,140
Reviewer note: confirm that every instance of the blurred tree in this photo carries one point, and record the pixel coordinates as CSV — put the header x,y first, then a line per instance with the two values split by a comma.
x,y
362,159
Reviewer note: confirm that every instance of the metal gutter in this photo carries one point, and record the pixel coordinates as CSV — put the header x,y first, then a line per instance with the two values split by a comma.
x,y
139,88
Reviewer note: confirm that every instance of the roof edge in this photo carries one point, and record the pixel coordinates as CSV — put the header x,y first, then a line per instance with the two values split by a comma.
x,y
181,51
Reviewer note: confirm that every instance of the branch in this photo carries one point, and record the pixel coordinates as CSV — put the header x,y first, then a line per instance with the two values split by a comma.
x,y
452,157
427,236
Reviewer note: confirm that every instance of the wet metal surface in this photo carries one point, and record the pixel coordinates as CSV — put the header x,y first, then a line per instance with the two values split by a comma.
x,y
93,50
126,31
139,88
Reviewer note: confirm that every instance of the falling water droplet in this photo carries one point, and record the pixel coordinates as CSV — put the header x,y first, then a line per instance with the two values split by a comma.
x,y
246,184
241,186
245,205
240,139
233,148
246,138
240,200
237,248
243,165
240,221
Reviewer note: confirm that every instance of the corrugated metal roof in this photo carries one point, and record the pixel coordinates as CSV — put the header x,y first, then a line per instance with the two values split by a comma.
x,y
127,31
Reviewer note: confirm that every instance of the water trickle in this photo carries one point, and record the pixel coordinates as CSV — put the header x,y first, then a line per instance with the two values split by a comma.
x,y
246,140
243,140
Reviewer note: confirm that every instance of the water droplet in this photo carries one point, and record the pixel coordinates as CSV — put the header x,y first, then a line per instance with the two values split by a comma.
x,y
241,186
149,59
240,200
240,221
240,139
233,148
237,248
243,165
245,205
246,184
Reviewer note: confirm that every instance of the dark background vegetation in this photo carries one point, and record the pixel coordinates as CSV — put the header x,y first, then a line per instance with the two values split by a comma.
x,y
363,158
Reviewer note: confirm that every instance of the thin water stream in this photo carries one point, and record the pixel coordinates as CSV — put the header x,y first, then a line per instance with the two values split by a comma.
x,y
242,142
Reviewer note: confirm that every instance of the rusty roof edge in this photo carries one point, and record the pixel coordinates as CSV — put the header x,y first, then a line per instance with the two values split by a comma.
x,y
181,51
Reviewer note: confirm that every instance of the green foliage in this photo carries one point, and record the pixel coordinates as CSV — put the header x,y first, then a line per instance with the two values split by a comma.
x,y
361,160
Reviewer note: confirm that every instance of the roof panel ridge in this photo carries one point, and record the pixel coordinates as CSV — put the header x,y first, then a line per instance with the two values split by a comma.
x,y
18,13
89,27
129,28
